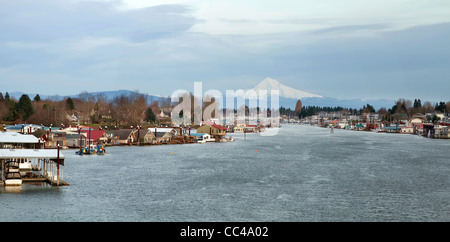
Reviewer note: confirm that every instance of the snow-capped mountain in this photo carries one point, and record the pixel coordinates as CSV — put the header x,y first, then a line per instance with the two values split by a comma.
x,y
288,97
285,91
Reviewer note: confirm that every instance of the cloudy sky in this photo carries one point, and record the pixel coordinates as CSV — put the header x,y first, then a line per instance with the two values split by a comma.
x,y
342,49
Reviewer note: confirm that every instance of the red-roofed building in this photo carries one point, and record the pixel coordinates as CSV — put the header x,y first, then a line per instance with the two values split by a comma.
x,y
95,135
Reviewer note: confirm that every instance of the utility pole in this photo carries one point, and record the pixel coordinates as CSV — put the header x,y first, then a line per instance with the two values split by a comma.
x,y
138,128
57,168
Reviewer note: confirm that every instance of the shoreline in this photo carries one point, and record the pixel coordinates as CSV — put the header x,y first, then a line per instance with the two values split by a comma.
x,y
375,131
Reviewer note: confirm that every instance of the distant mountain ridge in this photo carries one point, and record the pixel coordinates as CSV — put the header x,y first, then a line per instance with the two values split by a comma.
x,y
109,95
288,97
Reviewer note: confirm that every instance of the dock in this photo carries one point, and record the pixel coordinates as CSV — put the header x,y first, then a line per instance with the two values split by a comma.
x,y
45,180
48,168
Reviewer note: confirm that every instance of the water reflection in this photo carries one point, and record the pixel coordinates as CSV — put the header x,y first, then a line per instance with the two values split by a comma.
x,y
11,189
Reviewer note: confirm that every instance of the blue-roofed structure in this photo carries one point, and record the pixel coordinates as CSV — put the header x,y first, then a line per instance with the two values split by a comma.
x,y
197,134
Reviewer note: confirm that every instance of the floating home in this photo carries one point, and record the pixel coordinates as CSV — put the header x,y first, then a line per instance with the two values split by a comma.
x,y
23,160
216,131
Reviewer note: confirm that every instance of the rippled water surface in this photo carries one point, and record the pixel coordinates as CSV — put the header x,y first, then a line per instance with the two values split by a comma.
x,y
302,174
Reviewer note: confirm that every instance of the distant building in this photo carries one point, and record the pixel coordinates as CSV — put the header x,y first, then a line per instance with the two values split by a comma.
x,y
441,132
201,136
145,136
74,140
24,128
72,118
407,130
251,128
238,129
95,136
121,136
164,135
416,121
12,140
214,130
393,129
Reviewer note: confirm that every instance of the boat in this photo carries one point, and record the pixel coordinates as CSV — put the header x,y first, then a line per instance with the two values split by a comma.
x,y
100,149
84,151
201,141
210,139
92,149
230,139
12,177
25,167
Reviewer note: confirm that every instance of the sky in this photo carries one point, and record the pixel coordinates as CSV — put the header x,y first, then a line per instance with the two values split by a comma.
x,y
341,49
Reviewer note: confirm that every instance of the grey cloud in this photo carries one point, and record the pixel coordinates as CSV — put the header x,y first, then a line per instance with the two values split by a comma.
x,y
349,28
36,21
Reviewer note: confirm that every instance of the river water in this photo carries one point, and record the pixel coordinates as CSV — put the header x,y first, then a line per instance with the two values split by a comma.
x,y
302,174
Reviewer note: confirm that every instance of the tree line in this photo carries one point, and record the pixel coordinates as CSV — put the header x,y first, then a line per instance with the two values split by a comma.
x,y
122,110
401,108
136,109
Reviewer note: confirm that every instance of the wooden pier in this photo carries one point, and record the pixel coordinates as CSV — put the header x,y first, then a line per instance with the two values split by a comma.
x,y
45,179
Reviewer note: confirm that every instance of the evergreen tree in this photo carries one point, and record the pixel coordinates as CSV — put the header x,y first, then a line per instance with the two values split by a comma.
x,y
150,116
440,107
37,98
369,108
417,103
24,108
69,104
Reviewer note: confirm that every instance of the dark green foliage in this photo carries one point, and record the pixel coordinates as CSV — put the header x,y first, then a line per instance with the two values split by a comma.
x,y
150,116
69,104
24,108
417,103
440,107
313,110
37,98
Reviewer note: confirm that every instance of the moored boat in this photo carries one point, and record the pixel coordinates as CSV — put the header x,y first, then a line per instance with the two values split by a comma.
x,y
12,177
92,149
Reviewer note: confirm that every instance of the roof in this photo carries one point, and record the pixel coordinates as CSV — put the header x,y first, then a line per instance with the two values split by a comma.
x,y
197,134
74,136
161,134
393,127
19,126
94,134
164,130
30,153
121,133
219,127
142,132
12,137
215,126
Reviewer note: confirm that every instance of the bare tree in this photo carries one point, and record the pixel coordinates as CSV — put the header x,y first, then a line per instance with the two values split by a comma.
x,y
298,107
